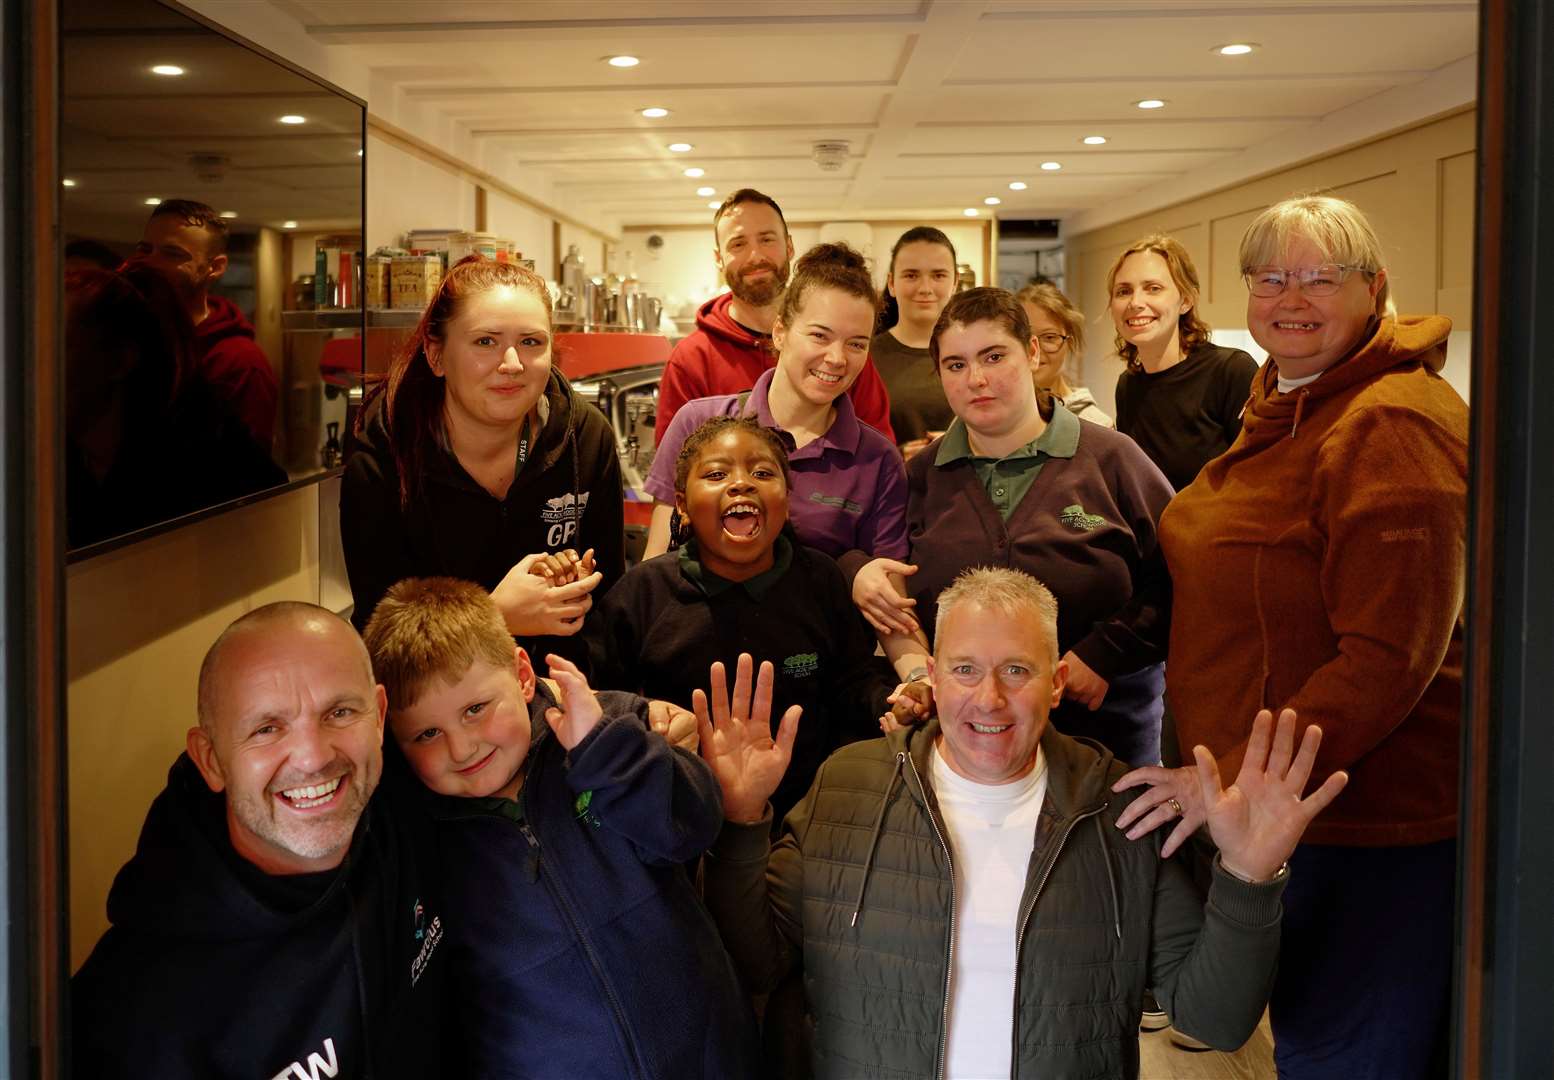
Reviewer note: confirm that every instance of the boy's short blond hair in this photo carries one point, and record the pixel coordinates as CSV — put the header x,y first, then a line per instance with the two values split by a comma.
x,y
435,627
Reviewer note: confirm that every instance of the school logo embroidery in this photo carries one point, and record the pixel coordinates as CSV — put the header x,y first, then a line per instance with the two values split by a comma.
x,y
318,1067
839,501
801,666
584,814
429,935
562,515
1075,518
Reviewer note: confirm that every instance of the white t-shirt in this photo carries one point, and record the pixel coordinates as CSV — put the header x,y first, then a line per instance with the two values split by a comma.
x,y
992,830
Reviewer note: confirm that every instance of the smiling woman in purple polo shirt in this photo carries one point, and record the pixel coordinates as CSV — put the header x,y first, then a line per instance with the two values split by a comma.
x,y
849,486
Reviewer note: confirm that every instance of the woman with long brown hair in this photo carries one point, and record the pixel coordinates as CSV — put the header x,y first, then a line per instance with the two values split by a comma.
x,y
1181,396
475,459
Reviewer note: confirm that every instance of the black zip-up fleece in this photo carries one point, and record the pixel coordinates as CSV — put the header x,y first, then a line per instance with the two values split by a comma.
x,y
567,495
212,968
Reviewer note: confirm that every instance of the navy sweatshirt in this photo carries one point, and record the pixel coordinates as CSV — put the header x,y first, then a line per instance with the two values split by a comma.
x,y
660,630
567,495
213,968
583,948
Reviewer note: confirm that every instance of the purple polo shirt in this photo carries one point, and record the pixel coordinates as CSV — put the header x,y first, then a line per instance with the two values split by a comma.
x,y
849,486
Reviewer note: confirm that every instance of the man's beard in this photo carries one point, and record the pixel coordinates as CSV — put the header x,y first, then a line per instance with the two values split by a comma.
x,y
761,293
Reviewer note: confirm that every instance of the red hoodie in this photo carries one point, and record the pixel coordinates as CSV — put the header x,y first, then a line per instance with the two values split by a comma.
x,y
723,357
231,363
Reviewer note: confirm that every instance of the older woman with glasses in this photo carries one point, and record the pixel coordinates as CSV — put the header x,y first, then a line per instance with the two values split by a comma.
x,y
1319,565
1060,334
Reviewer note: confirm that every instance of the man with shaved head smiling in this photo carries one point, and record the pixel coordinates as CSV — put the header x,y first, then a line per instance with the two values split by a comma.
x,y
274,921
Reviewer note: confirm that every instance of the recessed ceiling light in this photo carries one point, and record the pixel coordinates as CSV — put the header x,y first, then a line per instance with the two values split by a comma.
x,y
655,113
705,191
713,205
67,182
622,61
288,224
1095,140
1051,166
991,200
694,173
228,214
681,147
154,200
1150,103
1238,49
166,69
293,118
971,211
1017,185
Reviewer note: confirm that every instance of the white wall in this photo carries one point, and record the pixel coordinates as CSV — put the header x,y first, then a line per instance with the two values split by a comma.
x,y
405,192
526,227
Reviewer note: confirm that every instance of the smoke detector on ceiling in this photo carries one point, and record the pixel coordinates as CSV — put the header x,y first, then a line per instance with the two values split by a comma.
x,y
211,168
830,154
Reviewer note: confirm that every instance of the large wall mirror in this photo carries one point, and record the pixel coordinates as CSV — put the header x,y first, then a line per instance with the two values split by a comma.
x,y
213,223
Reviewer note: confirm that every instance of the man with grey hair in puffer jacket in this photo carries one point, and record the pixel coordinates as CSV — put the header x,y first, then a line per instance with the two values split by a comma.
x,y
960,896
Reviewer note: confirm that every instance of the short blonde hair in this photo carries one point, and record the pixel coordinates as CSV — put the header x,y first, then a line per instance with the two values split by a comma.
x,y
1191,327
1006,590
1336,227
437,627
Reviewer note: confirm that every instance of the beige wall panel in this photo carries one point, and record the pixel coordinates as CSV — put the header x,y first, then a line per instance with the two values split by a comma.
x,y
1454,284
138,623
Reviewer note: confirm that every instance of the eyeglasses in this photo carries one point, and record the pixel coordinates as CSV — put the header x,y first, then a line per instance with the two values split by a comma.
x,y
1270,281
1052,343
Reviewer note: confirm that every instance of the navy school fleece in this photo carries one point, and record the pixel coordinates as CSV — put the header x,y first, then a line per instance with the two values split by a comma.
x,y
567,495
583,948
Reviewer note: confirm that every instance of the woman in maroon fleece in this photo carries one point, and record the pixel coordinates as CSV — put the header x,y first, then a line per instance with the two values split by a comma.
x,y
1015,482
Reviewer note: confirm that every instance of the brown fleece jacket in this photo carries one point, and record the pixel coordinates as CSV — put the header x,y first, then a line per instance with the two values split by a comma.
x,y
1319,564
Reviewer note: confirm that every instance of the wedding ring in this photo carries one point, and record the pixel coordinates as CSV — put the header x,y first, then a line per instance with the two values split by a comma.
x,y
1175,806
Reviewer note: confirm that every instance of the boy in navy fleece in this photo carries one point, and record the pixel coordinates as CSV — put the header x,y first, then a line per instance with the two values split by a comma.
x,y
577,944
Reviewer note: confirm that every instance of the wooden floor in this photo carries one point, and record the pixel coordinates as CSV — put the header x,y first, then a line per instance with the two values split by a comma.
x,y
1159,1060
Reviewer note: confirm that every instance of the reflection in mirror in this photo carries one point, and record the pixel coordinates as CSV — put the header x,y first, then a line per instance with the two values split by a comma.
x,y
205,185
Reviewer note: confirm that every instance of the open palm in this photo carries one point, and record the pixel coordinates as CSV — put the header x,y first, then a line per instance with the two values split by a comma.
x,y
1258,820
736,738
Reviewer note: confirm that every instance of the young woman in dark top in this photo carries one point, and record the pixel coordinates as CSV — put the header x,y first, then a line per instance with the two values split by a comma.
x,y
476,460
1181,396
921,281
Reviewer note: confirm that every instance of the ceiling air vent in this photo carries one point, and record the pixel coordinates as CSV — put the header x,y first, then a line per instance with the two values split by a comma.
x,y
211,168
830,154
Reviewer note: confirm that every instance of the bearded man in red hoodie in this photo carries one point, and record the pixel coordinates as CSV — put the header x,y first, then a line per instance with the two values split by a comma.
x,y
188,240
731,344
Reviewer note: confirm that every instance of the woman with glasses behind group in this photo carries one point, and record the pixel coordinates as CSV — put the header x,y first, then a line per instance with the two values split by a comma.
x,y
1319,565
1059,330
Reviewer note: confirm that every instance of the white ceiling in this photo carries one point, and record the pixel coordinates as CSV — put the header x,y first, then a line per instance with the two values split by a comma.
x,y
944,102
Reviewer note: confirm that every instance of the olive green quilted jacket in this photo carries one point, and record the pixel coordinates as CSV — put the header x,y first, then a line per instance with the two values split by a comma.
x,y
860,882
